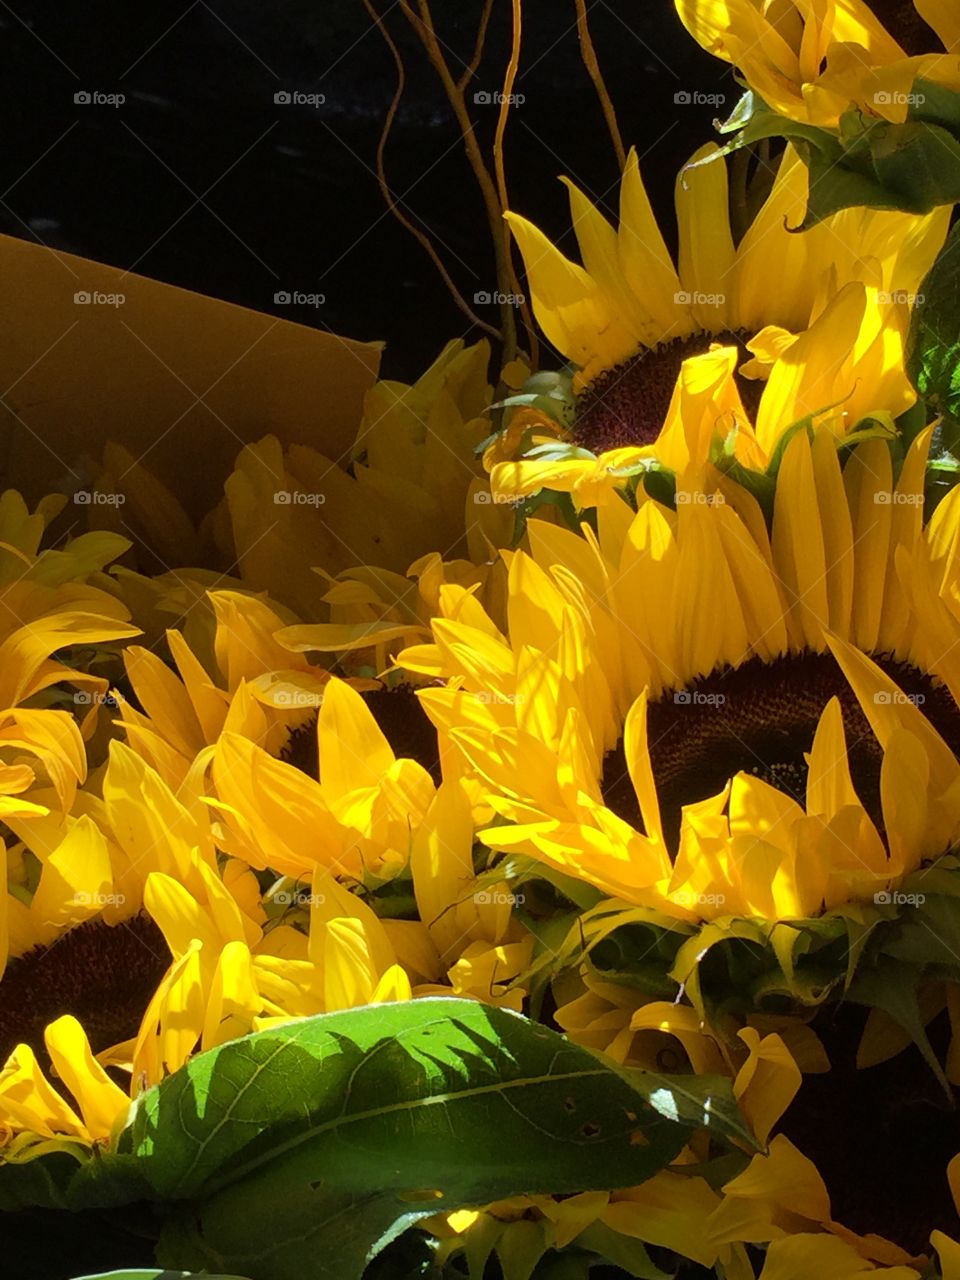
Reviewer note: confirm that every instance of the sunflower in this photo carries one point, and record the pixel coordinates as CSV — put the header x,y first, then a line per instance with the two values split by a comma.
x,y
160,946
161,939
231,970
372,817
745,738
620,613
671,357
813,64
607,646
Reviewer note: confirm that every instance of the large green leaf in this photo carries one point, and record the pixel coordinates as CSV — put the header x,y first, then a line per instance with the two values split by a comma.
x,y
301,1152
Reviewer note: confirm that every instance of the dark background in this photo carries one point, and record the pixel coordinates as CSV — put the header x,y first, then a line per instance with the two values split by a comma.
x,y
199,179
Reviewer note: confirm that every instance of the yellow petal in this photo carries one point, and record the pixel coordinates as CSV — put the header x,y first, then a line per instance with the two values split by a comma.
x,y
812,374
640,767
102,1104
285,814
234,1000
441,862
783,1179
353,751
706,243
76,881
948,1253
767,1082
801,1256
28,1101
667,1210
829,785
569,306
647,265
944,17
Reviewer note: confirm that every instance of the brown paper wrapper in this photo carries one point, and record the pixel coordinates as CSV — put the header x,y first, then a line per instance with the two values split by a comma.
x,y
91,353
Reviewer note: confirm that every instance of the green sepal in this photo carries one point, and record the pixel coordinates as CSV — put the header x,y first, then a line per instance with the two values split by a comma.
x,y
866,162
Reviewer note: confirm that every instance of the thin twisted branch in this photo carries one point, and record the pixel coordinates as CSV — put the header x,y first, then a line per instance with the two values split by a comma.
x,y
388,196
589,55
470,70
506,100
422,23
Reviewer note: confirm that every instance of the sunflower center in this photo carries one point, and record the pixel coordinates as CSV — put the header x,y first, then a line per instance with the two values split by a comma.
x,y
627,405
103,974
881,1137
401,720
760,718
905,25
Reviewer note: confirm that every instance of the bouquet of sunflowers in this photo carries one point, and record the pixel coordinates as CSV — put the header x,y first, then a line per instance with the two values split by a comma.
x,y
528,847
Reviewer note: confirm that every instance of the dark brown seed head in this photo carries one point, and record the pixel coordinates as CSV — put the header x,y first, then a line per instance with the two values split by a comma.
x,y
103,974
627,405
761,718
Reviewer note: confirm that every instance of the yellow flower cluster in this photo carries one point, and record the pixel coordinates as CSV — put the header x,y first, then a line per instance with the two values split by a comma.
x,y
669,770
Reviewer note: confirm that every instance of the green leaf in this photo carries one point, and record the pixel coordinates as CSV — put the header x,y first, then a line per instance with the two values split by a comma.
x,y
695,1101
302,1151
753,121
892,986
928,933
151,1273
913,166
41,1182
867,162
762,486
933,342
661,485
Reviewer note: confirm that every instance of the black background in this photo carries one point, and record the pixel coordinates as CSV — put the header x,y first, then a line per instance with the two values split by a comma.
x,y
201,180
